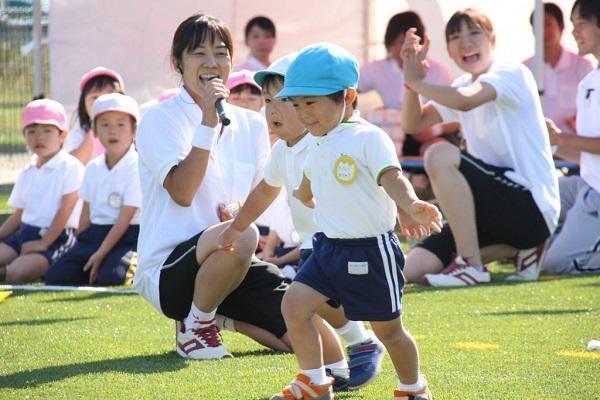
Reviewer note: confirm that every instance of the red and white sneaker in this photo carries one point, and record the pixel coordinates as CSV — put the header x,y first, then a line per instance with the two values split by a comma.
x,y
528,264
200,343
458,274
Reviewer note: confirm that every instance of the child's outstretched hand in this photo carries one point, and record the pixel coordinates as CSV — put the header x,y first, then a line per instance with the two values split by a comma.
x,y
427,215
93,265
227,237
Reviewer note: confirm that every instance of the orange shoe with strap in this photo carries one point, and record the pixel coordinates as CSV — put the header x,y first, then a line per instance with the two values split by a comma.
x,y
301,389
423,394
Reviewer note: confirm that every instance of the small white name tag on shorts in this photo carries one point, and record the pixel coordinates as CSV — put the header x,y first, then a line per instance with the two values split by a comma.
x,y
358,267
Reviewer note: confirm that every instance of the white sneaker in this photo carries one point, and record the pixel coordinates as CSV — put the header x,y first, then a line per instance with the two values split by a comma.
x,y
200,343
458,274
528,264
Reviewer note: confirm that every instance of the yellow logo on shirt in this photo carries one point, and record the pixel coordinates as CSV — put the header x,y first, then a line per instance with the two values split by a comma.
x,y
345,170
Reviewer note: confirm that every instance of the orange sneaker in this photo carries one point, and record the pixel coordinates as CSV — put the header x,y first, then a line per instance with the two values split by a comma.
x,y
301,389
423,394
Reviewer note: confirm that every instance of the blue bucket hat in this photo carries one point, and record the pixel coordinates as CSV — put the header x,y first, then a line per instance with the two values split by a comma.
x,y
319,70
278,67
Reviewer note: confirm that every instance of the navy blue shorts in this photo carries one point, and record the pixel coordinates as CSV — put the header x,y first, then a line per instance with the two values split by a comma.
x,y
68,270
27,233
364,275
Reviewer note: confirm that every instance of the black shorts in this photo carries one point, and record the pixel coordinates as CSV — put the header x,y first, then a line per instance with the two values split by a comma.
x,y
505,212
177,280
257,300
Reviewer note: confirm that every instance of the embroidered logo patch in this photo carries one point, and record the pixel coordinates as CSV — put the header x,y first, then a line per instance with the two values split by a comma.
x,y
115,200
345,170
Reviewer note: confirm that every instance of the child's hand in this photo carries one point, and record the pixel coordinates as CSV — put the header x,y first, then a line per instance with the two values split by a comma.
x,y
230,211
408,226
93,265
308,203
33,246
427,215
227,237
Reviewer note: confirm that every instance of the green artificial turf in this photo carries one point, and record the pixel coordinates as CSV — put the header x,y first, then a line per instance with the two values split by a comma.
x,y
501,341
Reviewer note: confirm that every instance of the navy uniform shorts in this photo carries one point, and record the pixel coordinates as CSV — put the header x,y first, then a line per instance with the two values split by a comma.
x,y
364,275
27,233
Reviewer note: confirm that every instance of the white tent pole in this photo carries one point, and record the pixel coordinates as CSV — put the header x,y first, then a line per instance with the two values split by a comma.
x,y
538,29
38,85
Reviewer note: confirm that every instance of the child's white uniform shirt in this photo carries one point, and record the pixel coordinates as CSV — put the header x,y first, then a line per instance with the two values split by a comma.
x,y
234,168
107,190
39,191
510,132
285,169
343,168
588,125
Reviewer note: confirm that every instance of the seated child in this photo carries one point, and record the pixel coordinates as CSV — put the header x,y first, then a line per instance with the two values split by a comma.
x,y
81,142
243,91
111,197
44,197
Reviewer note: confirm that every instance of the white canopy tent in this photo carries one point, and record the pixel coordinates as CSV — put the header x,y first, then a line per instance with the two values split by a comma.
x,y
134,36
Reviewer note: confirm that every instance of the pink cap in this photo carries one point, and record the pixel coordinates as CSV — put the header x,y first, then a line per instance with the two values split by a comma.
x,y
98,71
116,102
168,93
241,77
45,111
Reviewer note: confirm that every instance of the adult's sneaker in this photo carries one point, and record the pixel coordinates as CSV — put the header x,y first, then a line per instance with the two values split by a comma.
x,y
302,389
424,394
528,264
459,273
200,343
364,360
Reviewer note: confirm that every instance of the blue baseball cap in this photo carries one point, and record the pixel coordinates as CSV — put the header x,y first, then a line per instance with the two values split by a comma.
x,y
319,70
278,67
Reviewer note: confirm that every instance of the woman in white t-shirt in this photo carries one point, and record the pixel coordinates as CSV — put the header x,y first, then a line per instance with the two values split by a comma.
x,y
500,198
190,164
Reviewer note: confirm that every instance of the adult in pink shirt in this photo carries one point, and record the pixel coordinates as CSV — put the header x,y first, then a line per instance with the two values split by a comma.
x,y
386,77
563,70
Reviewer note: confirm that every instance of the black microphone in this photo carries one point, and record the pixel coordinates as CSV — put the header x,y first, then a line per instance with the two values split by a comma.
x,y
219,106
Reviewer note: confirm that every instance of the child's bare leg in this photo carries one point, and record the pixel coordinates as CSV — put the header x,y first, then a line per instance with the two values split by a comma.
x,y
299,305
335,316
7,254
27,268
401,347
332,347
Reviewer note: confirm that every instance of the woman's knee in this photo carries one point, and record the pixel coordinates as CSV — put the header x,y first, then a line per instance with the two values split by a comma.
x,y
419,262
440,156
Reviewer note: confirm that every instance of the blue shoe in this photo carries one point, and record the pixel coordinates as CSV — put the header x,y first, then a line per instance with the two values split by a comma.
x,y
340,383
364,362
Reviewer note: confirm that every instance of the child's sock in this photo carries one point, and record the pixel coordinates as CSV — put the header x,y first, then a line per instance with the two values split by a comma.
x,y
340,368
354,332
317,375
415,387
199,318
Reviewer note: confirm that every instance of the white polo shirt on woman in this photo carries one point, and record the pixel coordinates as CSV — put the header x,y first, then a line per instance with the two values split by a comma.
x,y
235,166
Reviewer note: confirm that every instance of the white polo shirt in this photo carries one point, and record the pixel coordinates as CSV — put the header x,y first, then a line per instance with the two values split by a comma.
x,y
386,77
77,136
39,191
235,166
588,125
285,169
560,86
343,168
510,132
107,190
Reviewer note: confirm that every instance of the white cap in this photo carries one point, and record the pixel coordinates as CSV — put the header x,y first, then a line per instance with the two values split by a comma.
x,y
278,67
115,102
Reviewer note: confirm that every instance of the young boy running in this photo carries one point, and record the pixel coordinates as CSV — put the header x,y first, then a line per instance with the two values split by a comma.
x,y
356,257
285,170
